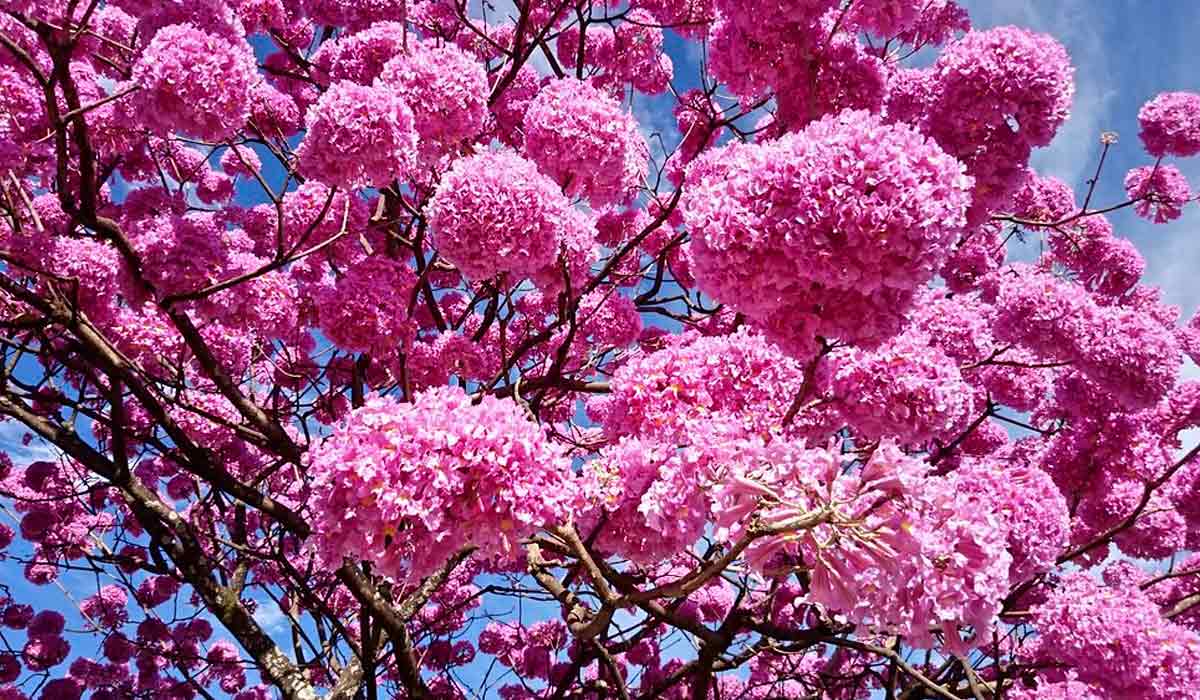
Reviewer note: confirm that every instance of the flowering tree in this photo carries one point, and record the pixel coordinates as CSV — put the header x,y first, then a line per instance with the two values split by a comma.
x,y
372,348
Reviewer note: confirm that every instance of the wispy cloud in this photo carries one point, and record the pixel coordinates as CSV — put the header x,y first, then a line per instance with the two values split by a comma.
x,y
12,443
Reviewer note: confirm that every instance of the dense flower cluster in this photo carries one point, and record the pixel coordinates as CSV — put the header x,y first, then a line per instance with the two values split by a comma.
x,y
107,608
241,161
1162,189
586,142
1105,263
369,308
628,54
1029,506
1043,199
687,17
361,56
906,389
1130,355
652,497
1171,124
889,547
446,89
401,484
996,95
494,213
828,231
194,82
358,136
1003,74
734,379
752,40
1116,641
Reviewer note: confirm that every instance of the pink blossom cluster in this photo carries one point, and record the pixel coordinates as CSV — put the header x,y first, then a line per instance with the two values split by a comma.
x,y
828,231
810,55
993,97
360,57
586,142
1001,74
446,89
107,608
352,13
907,19
1105,461
1171,124
1130,355
979,252
650,496
401,484
19,147
1162,189
508,113
369,307
907,389
938,22
358,136
182,253
240,160
689,18
860,81
887,546
734,380
751,42
1105,263
313,214
1115,640
530,651
1029,505
495,214
1179,585
194,82
1043,199
695,116
385,335
608,319
45,647
273,113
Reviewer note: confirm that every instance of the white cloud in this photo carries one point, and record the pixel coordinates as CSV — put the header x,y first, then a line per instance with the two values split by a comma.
x,y
12,436
270,617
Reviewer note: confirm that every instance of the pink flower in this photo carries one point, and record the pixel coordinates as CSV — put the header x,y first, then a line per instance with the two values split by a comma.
x,y
45,652
369,308
402,484
240,160
194,82
1116,639
447,91
905,389
46,623
358,136
586,143
826,232
1171,124
106,609
494,213
1162,189
10,667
